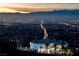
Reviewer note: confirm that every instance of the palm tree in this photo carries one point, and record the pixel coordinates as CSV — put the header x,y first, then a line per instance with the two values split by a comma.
x,y
46,46
55,48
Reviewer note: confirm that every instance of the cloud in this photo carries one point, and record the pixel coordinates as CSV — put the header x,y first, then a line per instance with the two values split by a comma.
x,y
20,7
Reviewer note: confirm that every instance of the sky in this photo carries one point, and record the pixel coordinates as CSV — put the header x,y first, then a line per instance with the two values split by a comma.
x,y
34,7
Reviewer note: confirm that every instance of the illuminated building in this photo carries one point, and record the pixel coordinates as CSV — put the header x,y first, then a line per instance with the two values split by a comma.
x,y
48,45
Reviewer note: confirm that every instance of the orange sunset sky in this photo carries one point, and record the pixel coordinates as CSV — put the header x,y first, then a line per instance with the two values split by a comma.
x,y
34,7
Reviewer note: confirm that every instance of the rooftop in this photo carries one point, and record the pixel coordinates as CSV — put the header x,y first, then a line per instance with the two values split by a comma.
x,y
50,41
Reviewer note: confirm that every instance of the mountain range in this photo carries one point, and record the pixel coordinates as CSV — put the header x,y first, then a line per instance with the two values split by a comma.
x,y
36,17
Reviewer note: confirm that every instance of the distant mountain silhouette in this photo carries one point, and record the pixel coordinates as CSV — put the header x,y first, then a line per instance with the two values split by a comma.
x,y
58,12
48,12
36,17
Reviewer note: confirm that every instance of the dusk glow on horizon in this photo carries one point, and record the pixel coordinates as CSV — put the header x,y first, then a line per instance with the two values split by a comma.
x,y
34,7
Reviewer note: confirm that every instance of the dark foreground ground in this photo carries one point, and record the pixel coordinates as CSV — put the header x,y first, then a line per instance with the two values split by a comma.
x,y
22,34
31,53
